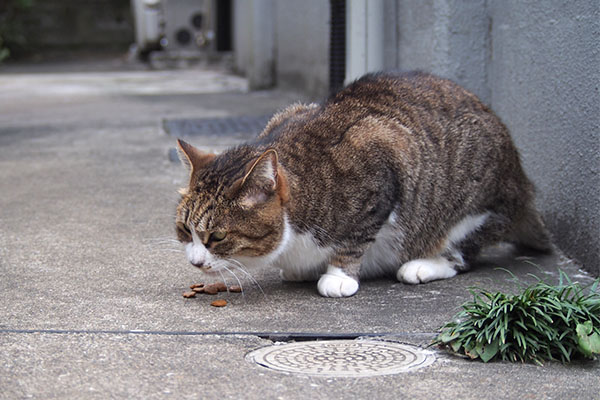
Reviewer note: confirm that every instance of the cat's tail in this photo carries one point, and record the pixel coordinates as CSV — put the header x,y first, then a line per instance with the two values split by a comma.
x,y
529,232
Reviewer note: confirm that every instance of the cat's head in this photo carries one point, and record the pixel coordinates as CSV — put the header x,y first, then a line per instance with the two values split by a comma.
x,y
233,207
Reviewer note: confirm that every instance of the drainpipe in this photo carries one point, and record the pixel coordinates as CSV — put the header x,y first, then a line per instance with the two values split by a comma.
x,y
364,37
261,69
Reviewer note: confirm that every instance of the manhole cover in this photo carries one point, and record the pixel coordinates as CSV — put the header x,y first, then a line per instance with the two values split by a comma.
x,y
342,358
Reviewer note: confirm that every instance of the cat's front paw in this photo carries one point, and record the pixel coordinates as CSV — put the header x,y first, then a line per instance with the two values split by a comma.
x,y
335,283
425,270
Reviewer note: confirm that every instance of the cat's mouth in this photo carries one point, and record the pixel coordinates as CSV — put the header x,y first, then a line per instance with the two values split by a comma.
x,y
203,267
199,257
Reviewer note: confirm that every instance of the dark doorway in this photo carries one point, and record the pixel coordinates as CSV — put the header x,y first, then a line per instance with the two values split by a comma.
x,y
337,45
223,25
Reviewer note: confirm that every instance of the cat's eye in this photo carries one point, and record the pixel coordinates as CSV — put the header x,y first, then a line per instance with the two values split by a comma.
x,y
217,236
184,229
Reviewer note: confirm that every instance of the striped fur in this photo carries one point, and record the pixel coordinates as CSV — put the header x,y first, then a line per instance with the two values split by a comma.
x,y
397,163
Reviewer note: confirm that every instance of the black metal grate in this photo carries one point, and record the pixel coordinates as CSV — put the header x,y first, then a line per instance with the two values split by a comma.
x,y
236,128
242,127
337,45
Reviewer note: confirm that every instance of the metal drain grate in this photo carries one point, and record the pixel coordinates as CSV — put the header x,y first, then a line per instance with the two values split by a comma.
x,y
342,358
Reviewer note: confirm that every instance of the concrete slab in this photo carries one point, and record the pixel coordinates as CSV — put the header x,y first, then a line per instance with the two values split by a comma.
x,y
99,366
87,199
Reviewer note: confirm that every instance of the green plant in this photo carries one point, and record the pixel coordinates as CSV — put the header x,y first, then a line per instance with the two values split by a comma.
x,y
543,322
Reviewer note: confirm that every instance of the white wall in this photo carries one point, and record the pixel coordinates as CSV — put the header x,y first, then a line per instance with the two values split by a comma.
x,y
303,46
254,41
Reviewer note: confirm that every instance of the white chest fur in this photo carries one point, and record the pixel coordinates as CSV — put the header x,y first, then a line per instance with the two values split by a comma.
x,y
302,259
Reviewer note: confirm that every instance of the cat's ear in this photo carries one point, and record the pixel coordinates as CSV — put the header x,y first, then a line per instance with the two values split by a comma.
x,y
193,158
264,168
262,180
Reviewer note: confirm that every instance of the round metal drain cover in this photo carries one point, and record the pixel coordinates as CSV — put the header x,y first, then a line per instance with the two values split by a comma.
x,y
342,358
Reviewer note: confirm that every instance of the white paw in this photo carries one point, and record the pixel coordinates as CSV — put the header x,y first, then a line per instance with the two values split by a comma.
x,y
425,270
335,283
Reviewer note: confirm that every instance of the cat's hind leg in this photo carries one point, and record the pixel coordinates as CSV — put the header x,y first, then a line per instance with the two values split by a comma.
x,y
529,232
461,245
425,270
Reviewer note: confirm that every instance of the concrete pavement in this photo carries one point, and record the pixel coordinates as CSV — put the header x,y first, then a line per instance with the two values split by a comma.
x,y
91,281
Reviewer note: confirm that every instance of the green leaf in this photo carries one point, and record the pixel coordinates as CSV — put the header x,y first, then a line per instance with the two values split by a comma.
x,y
478,349
489,351
470,350
595,285
588,341
447,336
456,345
565,354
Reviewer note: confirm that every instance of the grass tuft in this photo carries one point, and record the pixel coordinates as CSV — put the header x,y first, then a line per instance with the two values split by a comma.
x,y
542,323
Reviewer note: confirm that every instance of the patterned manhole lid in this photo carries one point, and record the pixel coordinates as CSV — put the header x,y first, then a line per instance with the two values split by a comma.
x,y
342,358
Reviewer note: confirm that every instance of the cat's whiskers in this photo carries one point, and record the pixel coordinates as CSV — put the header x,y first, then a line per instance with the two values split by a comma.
x,y
163,240
236,278
167,250
236,264
164,245
223,277
179,251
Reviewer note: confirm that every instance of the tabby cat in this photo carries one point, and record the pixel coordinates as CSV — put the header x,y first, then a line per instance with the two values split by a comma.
x,y
407,175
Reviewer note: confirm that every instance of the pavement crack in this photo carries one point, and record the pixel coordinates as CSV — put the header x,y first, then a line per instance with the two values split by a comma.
x,y
272,336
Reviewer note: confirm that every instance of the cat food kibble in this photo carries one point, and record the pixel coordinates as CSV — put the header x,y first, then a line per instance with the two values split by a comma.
x,y
211,289
221,287
219,303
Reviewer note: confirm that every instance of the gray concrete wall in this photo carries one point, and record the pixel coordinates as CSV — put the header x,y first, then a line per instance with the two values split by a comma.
x,y
448,38
537,64
544,79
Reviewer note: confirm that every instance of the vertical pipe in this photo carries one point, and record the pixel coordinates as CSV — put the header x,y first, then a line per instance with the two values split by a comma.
x,y
375,35
364,37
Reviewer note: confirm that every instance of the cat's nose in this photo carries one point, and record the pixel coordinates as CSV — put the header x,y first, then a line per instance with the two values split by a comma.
x,y
201,265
